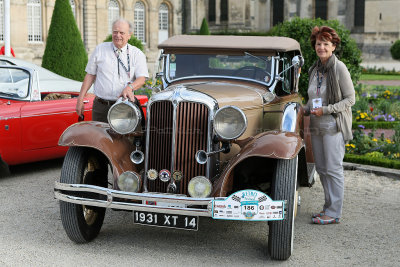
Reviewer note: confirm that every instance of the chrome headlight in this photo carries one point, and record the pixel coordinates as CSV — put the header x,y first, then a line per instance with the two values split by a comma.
x,y
124,116
229,123
199,187
129,181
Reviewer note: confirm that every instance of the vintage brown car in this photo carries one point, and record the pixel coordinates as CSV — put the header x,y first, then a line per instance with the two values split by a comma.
x,y
223,137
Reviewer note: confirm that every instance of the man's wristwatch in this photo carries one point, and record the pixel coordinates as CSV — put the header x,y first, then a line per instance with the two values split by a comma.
x,y
131,86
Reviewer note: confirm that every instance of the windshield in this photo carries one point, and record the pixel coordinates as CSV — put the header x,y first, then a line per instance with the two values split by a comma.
x,y
14,83
247,66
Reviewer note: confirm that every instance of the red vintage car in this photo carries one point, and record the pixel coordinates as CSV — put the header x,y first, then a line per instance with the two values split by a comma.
x,y
36,106
32,119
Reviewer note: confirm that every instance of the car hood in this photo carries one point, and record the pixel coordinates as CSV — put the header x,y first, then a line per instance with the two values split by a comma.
x,y
242,95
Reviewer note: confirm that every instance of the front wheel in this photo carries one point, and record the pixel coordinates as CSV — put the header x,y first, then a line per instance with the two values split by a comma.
x,y
83,166
284,187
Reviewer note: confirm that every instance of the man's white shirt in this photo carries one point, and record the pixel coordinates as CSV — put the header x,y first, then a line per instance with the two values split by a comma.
x,y
104,63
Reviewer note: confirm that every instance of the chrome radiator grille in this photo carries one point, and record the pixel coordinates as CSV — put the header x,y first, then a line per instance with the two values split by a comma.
x,y
172,148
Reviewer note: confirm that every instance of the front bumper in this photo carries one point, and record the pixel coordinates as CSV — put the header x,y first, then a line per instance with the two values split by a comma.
x,y
97,196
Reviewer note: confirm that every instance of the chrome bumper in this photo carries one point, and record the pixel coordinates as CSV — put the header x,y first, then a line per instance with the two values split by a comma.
x,y
115,200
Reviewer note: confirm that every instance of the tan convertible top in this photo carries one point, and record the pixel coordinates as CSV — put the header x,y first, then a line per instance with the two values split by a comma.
x,y
230,42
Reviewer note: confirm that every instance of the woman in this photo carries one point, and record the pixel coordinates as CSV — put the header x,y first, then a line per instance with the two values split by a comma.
x,y
331,95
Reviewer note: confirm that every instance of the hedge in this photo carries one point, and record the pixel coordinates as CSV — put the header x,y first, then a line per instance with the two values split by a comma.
x,y
395,50
132,41
204,28
300,30
65,53
375,124
360,159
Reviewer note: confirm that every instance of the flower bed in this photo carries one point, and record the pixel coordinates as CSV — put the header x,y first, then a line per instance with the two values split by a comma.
x,y
375,109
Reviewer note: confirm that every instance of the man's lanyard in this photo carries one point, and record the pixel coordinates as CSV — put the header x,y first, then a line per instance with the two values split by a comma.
x,y
120,61
319,82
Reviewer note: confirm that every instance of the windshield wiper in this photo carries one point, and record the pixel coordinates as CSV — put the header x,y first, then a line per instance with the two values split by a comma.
x,y
248,54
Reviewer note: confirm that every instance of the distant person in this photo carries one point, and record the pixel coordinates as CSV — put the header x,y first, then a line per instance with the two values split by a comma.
x,y
116,68
331,95
3,51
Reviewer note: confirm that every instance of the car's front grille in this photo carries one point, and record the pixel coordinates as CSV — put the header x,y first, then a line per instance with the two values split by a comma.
x,y
190,135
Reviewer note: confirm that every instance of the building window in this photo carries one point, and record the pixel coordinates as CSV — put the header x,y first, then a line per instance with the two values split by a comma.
x,y
211,11
162,23
359,13
1,20
72,4
321,9
163,17
113,13
277,11
140,25
34,21
224,10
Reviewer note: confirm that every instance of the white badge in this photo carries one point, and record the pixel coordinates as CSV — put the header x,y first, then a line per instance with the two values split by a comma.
x,y
317,103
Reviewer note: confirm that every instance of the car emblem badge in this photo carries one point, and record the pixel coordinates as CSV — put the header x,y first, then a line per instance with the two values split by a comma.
x,y
152,174
177,175
164,175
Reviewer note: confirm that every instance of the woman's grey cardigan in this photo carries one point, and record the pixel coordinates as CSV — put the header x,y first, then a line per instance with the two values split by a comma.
x,y
341,110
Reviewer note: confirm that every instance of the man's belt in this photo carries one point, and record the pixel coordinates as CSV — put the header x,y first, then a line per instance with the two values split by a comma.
x,y
105,102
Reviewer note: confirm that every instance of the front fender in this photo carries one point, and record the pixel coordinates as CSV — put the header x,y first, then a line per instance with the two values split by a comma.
x,y
98,135
272,144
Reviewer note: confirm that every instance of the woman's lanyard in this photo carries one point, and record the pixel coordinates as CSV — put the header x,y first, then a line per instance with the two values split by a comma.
x,y
319,83
127,69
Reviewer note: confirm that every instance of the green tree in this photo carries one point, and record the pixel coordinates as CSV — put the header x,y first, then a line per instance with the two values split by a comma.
x,y
395,50
65,53
132,41
300,30
204,28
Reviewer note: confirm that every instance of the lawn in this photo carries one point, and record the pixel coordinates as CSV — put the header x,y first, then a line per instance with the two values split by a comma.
x,y
381,77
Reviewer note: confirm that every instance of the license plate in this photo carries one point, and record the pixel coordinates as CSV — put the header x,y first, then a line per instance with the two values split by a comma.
x,y
166,220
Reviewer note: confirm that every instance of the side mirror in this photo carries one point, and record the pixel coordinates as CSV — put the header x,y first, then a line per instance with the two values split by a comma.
x,y
298,61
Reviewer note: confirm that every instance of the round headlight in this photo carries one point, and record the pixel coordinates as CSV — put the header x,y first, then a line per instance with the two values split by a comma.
x,y
129,181
124,116
229,123
199,187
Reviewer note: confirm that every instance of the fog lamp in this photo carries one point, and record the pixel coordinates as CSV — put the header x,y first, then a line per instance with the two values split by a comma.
x,y
129,181
199,187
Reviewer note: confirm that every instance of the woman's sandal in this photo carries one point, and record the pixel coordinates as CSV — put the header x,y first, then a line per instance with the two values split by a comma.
x,y
315,215
318,220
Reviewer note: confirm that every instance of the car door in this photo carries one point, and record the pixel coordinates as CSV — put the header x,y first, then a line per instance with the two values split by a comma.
x,y
44,121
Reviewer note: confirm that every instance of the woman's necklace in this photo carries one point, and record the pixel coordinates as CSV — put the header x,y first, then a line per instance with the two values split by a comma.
x,y
319,82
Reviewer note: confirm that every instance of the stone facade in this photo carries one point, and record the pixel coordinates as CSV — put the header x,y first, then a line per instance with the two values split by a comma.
x,y
375,24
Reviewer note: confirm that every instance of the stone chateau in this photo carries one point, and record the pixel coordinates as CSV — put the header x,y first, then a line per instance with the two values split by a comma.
x,y
374,24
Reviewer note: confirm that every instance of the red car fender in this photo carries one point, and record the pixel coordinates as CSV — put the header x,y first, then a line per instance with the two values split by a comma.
x,y
98,135
272,144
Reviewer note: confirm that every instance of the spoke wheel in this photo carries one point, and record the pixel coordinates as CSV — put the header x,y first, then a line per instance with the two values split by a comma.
x,y
82,166
284,187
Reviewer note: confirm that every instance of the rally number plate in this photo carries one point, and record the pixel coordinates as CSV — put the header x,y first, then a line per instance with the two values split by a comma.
x,y
166,220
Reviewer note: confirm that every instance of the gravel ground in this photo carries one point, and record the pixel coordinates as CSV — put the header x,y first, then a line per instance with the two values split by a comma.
x,y
32,235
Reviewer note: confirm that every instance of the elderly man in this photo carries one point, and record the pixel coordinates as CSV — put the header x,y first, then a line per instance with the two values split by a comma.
x,y
116,68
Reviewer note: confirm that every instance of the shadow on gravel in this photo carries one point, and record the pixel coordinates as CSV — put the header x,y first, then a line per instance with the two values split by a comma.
x,y
17,170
